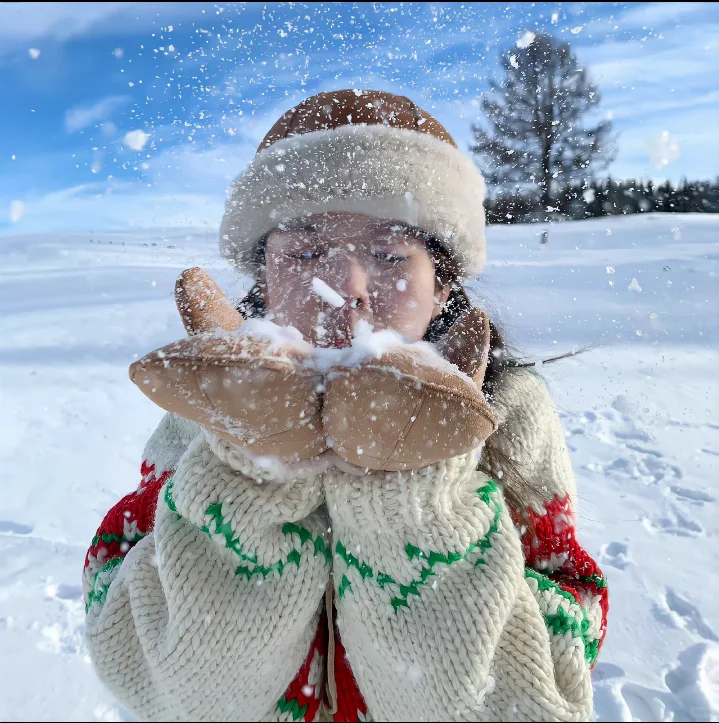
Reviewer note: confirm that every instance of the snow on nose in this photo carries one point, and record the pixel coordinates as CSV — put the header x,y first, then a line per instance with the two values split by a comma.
x,y
326,293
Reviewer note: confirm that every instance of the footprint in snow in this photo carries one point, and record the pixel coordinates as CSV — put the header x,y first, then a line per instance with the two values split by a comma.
x,y
9,527
690,694
615,554
63,591
675,522
676,611
694,681
693,496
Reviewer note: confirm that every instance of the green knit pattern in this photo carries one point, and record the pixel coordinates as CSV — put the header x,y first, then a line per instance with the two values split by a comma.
x,y
599,581
109,537
489,494
292,708
560,621
100,585
223,529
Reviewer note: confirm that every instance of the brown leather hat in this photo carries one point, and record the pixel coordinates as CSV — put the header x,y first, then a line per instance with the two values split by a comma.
x,y
366,152
326,111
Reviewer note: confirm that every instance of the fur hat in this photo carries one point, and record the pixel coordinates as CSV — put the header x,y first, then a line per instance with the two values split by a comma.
x,y
365,152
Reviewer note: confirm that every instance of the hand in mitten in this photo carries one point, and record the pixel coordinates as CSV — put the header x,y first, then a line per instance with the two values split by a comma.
x,y
410,407
250,390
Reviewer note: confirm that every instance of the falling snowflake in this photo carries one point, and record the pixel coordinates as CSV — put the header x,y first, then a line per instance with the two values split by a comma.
x,y
662,150
17,209
526,40
136,140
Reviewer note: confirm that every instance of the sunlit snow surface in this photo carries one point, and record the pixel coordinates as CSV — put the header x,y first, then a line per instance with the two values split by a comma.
x,y
640,412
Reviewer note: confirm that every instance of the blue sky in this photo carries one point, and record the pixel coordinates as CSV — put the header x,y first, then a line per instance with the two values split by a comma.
x,y
84,85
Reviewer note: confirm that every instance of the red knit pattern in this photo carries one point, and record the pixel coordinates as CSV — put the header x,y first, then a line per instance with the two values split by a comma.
x,y
139,506
295,688
350,703
551,536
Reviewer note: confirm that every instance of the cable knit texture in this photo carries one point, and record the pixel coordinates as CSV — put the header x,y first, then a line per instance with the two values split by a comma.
x,y
423,548
211,615
530,435
447,608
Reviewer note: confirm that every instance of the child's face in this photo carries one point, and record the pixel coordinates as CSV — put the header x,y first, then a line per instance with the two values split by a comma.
x,y
383,274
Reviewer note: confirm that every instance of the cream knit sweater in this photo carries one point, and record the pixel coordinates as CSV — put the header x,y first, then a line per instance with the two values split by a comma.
x,y
216,610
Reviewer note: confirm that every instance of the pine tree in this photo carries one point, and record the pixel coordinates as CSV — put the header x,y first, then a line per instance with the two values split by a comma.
x,y
534,131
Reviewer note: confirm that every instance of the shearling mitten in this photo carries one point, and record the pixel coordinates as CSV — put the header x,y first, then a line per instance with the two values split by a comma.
x,y
413,405
250,389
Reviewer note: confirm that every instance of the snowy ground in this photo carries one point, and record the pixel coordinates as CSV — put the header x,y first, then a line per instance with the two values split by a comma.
x,y
641,413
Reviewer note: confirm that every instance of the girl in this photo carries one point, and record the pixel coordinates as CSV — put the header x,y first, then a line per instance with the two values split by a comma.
x,y
460,590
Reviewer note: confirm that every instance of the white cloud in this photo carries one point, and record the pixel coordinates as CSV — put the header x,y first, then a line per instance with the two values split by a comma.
x,y
626,68
81,117
687,53
181,186
210,170
21,22
136,140
28,21
645,17
692,130
646,106
34,53
98,206
655,15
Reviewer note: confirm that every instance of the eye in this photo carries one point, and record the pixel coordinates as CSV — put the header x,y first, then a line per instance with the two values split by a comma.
x,y
388,257
309,255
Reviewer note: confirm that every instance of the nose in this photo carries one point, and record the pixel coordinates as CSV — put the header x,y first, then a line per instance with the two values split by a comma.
x,y
345,274
348,277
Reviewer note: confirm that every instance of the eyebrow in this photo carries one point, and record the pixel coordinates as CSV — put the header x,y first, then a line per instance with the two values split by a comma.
x,y
301,223
393,226
410,232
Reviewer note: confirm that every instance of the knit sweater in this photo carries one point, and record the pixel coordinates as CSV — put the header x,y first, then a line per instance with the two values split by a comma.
x,y
206,588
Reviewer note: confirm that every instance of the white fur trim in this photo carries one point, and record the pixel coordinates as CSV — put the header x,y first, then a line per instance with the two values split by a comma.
x,y
384,172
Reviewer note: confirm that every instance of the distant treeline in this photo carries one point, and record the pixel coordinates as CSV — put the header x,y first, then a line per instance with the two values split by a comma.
x,y
606,197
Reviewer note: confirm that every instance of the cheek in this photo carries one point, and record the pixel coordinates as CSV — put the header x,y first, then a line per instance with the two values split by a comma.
x,y
405,299
287,287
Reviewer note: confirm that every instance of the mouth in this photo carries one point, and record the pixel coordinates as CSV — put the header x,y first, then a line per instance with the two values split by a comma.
x,y
336,342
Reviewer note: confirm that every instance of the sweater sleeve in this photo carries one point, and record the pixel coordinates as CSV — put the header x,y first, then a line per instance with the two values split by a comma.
x,y
540,490
206,605
439,615
133,516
